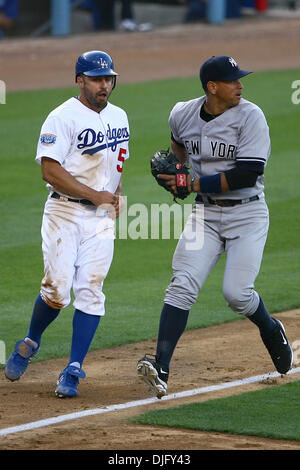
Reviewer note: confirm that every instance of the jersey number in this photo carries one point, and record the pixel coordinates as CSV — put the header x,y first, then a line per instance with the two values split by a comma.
x,y
121,159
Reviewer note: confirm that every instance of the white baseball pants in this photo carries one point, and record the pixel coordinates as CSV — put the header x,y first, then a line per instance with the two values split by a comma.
x,y
77,245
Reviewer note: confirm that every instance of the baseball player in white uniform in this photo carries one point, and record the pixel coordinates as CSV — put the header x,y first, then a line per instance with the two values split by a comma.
x,y
225,140
82,148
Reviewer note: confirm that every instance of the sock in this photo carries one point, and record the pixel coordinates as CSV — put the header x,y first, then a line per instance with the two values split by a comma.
x,y
173,321
263,320
42,316
84,328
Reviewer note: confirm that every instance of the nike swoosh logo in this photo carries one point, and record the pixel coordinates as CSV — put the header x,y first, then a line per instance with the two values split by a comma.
x,y
284,340
162,371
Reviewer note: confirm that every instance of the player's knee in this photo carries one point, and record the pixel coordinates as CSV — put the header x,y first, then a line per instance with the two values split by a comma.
x,y
91,301
53,301
240,301
55,294
182,292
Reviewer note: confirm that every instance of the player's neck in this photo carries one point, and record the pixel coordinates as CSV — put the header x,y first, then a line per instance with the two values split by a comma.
x,y
86,103
214,108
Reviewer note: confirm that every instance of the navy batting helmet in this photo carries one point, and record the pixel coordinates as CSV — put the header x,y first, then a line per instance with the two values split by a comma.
x,y
94,64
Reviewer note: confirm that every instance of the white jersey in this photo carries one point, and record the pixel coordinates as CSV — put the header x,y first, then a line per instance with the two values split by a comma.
x,y
239,134
91,146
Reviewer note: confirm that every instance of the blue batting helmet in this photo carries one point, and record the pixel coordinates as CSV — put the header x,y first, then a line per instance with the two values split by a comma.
x,y
94,64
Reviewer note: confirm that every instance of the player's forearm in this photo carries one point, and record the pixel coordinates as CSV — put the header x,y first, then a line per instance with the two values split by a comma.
x,y
63,181
242,175
222,185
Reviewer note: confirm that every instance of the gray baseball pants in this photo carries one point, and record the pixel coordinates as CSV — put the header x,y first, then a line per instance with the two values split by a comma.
x,y
240,232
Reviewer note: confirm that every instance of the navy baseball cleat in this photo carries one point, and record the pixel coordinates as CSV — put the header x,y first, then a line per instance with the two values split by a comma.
x,y
154,374
279,349
68,381
18,361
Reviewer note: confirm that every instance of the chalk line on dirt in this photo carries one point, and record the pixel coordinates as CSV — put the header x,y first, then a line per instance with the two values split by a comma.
x,y
132,404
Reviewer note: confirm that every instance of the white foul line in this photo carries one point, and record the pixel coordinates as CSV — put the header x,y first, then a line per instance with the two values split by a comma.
x,y
132,404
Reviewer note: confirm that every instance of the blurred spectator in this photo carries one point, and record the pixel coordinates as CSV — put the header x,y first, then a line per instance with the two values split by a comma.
x,y
104,16
106,8
9,13
196,10
127,17
93,7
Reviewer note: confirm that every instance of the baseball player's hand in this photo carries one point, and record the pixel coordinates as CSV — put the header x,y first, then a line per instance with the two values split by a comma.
x,y
115,213
170,173
170,181
105,199
112,203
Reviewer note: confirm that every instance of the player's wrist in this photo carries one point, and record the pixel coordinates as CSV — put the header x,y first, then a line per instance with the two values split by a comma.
x,y
194,185
92,195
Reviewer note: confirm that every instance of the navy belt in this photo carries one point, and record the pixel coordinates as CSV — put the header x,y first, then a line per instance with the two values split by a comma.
x,y
64,198
226,202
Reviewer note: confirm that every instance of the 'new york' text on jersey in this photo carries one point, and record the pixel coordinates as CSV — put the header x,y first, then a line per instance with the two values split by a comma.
x,y
239,134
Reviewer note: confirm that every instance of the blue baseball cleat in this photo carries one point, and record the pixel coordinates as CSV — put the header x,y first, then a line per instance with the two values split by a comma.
x,y
18,361
68,381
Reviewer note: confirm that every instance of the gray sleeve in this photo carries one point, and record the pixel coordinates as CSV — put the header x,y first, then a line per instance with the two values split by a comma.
x,y
254,140
173,123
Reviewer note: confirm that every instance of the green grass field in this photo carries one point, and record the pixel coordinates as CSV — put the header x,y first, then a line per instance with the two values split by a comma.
x,y
272,413
141,269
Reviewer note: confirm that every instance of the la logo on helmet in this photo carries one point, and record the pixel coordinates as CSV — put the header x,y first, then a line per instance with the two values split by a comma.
x,y
103,63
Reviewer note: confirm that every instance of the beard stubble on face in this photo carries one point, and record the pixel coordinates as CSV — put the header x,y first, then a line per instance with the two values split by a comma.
x,y
96,100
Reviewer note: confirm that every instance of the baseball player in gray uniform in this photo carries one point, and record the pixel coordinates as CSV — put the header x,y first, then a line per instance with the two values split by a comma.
x,y
225,139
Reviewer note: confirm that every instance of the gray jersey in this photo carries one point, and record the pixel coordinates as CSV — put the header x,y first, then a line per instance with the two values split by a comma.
x,y
239,134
